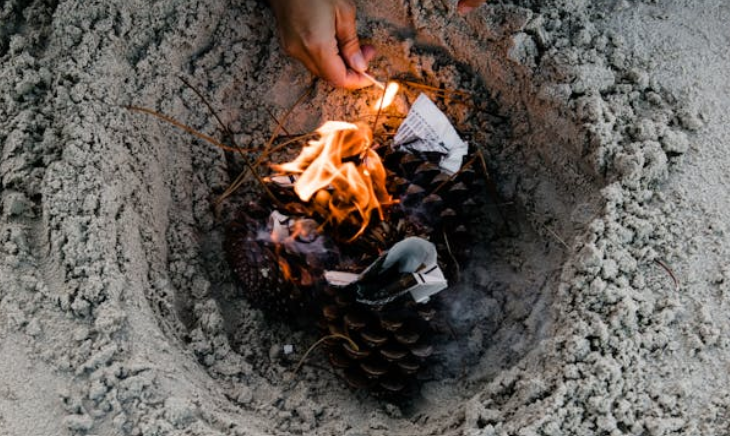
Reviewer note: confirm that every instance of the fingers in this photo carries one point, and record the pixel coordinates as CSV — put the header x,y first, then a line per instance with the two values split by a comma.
x,y
368,51
322,34
332,60
331,67
466,6
325,61
347,39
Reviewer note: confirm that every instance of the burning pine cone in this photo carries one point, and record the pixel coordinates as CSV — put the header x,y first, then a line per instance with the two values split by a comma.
x,y
278,272
379,337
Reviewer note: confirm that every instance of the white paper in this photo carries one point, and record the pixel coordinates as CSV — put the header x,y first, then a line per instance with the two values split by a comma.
x,y
427,129
284,181
414,256
295,235
279,225
340,278
430,282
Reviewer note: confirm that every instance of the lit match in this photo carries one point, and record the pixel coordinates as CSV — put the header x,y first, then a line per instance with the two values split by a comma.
x,y
375,81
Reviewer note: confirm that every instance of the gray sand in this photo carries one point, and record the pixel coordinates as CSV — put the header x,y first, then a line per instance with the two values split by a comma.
x,y
605,125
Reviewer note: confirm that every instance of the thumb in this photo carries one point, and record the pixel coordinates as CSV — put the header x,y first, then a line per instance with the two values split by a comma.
x,y
466,6
347,39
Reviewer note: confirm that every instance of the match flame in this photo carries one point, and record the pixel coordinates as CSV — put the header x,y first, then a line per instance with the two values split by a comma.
x,y
341,175
388,97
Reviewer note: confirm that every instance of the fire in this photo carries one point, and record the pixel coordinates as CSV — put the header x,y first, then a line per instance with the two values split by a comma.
x,y
339,173
388,97
294,236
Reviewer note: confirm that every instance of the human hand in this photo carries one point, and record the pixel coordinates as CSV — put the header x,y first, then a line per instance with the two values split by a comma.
x,y
322,35
466,6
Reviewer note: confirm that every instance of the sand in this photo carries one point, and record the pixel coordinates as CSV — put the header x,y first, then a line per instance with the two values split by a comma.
x,y
605,127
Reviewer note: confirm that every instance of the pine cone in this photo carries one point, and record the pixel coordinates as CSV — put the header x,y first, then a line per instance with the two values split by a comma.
x,y
393,340
273,278
257,267
432,205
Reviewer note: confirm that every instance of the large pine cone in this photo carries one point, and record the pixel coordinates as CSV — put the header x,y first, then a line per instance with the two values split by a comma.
x,y
393,340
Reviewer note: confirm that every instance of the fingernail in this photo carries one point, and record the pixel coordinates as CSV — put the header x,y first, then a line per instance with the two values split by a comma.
x,y
464,9
358,62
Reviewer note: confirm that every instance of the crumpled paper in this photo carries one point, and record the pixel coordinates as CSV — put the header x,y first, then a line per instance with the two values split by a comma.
x,y
427,130
409,267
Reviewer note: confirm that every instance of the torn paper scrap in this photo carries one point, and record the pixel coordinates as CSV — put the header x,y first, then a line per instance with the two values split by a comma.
x,y
427,130
284,181
298,235
279,226
340,278
410,266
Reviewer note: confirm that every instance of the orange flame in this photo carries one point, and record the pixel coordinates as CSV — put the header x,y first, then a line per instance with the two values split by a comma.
x,y
283,235
341,174
388,97
284,267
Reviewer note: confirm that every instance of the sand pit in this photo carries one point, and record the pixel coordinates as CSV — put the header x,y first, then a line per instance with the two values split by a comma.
x,y
598,305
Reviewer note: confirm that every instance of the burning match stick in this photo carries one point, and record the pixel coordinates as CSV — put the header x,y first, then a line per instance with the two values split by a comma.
x,y
375,81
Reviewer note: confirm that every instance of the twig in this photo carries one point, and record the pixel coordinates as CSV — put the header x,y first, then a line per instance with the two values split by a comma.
x,y
446,94
186,128
271,114
318,343
266,152
232,187
292,136
455,175
242,177
380,109
435,89
363,117
484,165
280,125
491,187
266,189
284,144
453,258
551,231
556,236
670,272
223,126
288,142
210,108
